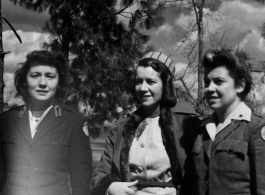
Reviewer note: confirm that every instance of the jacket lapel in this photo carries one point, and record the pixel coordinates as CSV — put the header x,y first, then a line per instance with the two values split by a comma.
x,y
48,123
207,143
23,126
224,133
117,150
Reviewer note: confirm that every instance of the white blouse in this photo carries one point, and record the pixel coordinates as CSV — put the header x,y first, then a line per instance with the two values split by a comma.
x,y
148,158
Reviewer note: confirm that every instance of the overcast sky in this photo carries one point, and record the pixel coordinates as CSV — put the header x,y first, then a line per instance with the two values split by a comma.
x,y
239,20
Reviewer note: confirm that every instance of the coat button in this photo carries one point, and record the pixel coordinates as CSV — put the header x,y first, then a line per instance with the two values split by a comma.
x,y
142,144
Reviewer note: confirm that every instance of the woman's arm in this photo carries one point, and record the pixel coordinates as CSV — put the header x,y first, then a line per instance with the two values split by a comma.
x,y
103,175
80,159
257,142
2,177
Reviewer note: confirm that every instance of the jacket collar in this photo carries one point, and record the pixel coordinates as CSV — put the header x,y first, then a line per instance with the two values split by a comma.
x,y
241,112
53,118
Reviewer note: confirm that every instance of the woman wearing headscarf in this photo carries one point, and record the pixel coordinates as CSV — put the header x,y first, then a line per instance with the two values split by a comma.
x,y
229,151
146,152
45,146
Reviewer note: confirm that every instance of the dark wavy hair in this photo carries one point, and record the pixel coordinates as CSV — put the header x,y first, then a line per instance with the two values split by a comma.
x,y
238,69
45,58
168,95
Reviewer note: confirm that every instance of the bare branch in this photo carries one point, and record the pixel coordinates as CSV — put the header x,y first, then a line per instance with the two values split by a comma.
x,y
18,37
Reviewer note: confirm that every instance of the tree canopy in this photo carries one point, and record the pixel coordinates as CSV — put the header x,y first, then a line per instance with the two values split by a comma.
x,y
101,51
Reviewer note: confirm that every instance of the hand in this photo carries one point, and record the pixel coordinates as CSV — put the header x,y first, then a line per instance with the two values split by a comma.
x,y
122,188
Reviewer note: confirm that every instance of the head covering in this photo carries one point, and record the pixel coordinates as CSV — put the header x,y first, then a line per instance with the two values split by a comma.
x,y
162,58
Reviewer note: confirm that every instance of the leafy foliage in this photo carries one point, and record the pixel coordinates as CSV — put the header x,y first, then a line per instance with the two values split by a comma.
x,y
102,52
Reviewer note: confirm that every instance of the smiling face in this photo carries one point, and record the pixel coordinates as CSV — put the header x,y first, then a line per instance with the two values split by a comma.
x,y
221,93
42,82
148,87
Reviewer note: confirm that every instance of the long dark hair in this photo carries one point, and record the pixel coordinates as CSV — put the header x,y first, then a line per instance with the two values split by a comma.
x,y
165,122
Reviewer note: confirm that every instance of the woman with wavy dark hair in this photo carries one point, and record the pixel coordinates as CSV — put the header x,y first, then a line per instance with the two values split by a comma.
x,y
145,153
45,146
229,151
46,58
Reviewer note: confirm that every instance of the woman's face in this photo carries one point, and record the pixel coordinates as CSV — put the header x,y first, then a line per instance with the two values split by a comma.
x,y
220,89
42,83
148,86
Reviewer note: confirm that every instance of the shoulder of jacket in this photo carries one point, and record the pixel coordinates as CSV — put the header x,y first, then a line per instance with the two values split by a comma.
x,y
15,109
202,122
257,114
257,119
257,123
183,107
68,109
116,124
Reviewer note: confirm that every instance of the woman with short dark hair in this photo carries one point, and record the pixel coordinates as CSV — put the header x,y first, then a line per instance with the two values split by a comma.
x,y
46,58
45,146
229,151
145,153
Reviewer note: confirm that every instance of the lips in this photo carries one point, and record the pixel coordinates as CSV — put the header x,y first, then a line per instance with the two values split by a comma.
x,y
42,91
145,97
212,97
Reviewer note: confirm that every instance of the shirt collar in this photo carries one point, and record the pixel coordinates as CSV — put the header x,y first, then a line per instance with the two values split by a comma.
x,y
241,112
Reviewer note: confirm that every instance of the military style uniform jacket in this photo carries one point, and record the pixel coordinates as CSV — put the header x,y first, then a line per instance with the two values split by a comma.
x,y
56,161
110,168
234,163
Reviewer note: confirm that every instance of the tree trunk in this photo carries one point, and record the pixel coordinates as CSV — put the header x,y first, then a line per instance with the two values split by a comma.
x,y
2,84
200,52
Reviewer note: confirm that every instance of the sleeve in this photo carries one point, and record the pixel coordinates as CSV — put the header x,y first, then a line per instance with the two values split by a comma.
x,y
2,176
102,175
257,159
190,128
80,159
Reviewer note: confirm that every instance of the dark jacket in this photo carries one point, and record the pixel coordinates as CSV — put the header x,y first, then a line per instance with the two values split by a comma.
x,y
57,160
111,164
234,163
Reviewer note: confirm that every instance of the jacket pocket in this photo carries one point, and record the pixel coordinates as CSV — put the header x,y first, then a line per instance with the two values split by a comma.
x,y
12,148
56,148
11,139
231,156
54,141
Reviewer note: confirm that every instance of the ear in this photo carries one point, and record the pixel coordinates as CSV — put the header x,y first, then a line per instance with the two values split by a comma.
x,y
241,86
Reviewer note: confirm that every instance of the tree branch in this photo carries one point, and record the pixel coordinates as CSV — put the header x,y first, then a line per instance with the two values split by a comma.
x,y
12,29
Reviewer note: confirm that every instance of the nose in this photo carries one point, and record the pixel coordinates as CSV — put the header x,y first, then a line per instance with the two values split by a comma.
x,y
42,83
210,87
143,86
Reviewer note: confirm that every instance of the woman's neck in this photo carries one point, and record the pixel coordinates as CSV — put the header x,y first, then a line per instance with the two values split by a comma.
x,y
37,107
223,114
150,110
